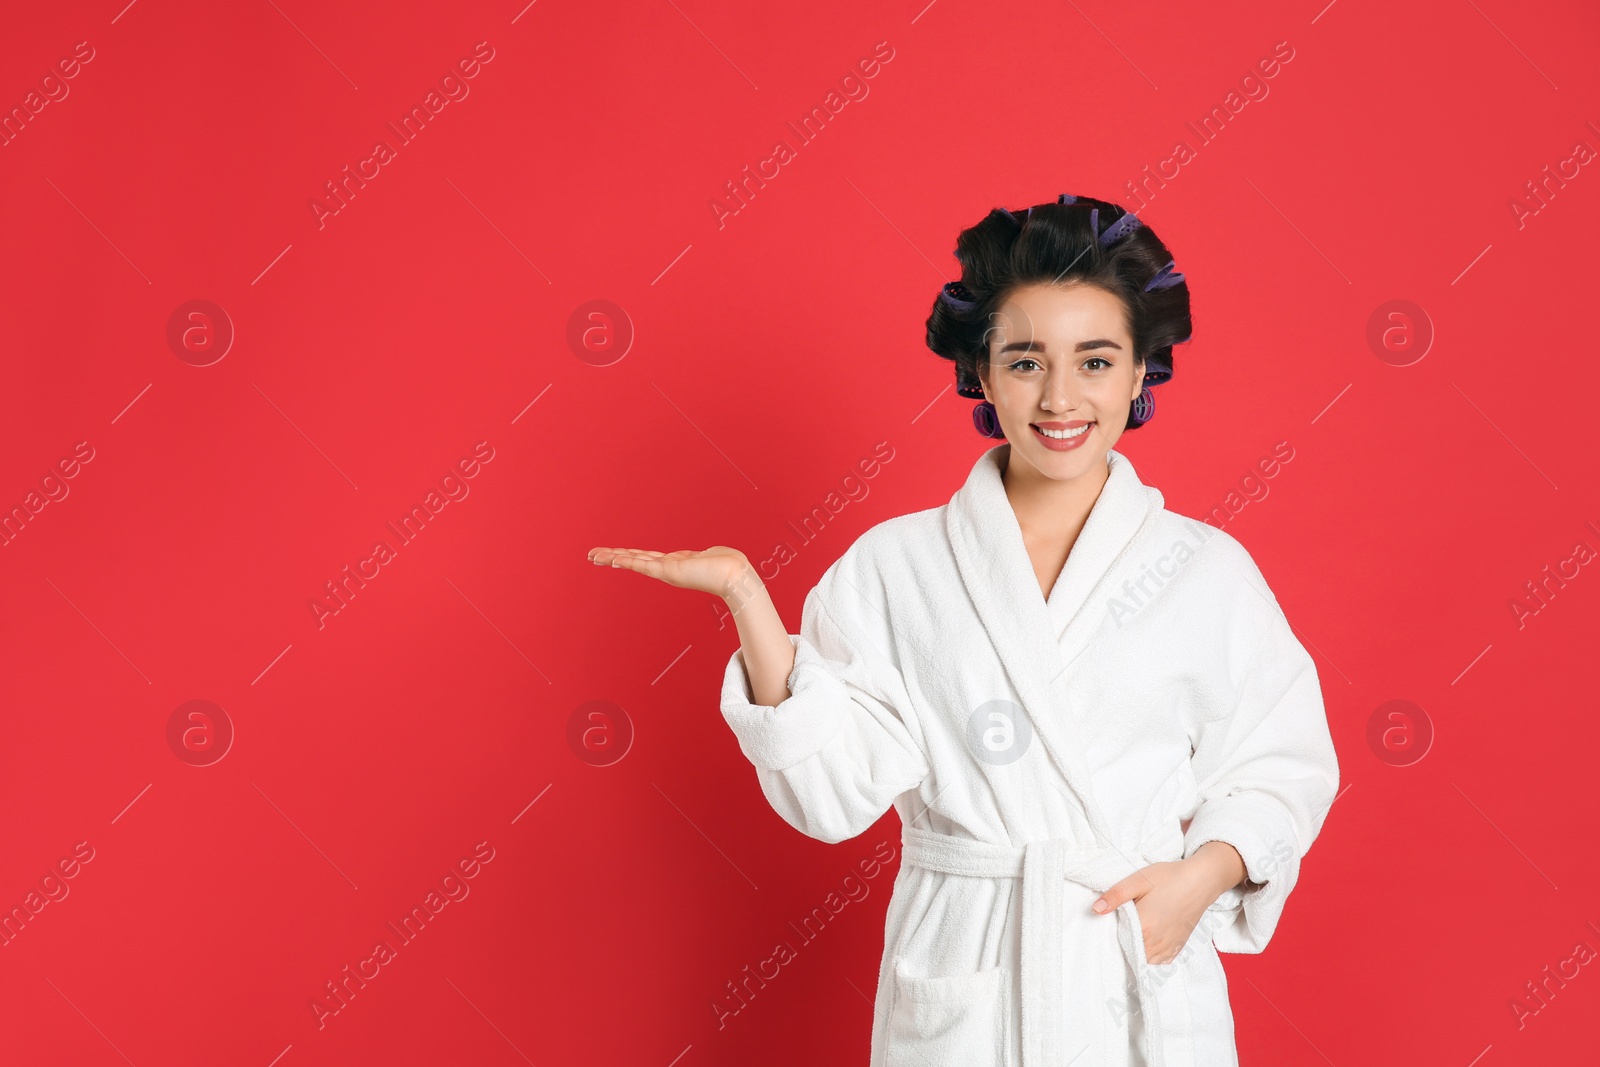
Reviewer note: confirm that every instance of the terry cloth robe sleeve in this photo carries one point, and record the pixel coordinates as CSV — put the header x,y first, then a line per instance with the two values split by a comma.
x,y
834,755
1267,773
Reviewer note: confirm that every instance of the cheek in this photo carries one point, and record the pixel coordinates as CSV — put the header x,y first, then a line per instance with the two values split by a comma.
x,y
1013,399
1112,392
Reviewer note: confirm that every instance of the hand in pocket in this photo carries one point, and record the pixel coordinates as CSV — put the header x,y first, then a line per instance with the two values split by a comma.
x,y
1170,898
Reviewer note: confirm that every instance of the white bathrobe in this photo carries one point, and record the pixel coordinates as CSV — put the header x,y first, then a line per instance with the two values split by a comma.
x,y
1038,752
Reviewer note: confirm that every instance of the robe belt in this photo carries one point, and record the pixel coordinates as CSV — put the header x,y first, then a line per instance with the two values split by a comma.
x,y
1044,867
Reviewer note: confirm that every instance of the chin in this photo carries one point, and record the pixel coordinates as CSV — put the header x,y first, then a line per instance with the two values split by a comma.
x,y
1072,464
1060,466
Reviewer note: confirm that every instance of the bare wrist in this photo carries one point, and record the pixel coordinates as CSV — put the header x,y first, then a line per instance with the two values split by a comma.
x,y
1225,860
742,588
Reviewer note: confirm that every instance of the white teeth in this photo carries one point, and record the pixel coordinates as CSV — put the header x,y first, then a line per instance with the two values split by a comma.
x,y
1064,435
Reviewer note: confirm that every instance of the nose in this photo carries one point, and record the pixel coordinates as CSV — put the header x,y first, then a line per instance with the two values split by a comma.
x,y
1057,394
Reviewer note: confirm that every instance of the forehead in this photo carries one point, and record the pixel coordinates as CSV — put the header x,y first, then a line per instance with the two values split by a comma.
x,y
1057,314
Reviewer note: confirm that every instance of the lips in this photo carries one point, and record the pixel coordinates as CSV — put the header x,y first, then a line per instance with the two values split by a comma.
x,y
1062,436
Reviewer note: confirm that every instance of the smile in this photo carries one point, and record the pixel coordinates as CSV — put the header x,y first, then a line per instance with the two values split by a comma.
x,y
1062,440
1064,435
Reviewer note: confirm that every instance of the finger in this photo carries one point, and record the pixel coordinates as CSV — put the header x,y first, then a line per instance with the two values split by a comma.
x,y
652,568
604,556
1132,887
1112,898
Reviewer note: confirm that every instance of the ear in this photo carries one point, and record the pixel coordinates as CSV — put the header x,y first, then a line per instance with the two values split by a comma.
x,y
1138,380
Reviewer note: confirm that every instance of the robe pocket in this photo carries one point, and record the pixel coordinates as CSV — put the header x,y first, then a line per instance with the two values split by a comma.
x,y
1157,973
946,1020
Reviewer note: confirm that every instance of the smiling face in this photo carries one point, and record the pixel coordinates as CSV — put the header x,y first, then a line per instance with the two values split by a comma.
x,y
1061,376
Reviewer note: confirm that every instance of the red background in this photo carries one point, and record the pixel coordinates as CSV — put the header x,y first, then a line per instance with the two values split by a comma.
x,y
770,353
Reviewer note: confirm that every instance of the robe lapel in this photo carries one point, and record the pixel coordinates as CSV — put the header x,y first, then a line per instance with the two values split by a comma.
x,y
1036,641
1124,510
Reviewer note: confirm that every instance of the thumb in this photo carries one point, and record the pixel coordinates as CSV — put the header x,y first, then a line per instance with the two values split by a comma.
x,y
1116,896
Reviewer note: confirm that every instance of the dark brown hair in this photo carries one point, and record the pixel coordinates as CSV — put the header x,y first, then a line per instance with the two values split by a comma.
x,y
1074,241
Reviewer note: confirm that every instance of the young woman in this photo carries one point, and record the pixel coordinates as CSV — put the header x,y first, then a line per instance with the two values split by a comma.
x,y
1107,749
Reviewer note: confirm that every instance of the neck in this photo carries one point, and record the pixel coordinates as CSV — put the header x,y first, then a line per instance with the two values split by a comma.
x,y
1052,509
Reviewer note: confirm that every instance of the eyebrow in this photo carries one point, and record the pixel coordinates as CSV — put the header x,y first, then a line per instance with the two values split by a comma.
x,y
1038,346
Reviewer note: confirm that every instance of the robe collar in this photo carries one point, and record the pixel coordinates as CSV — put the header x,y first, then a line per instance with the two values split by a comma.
x,y
1035,640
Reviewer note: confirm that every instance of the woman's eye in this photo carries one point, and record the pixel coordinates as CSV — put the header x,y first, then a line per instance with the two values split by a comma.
x,y
1093,363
